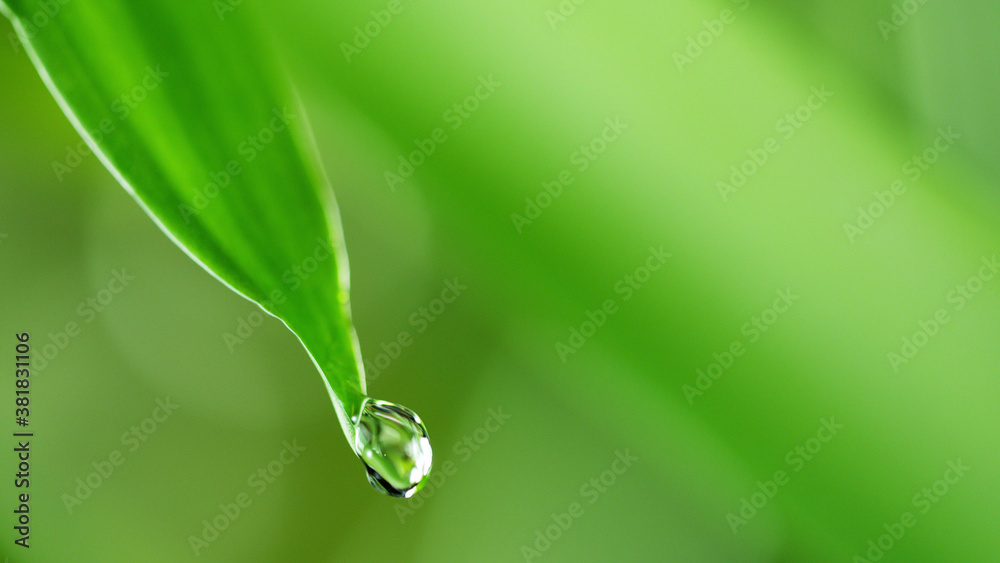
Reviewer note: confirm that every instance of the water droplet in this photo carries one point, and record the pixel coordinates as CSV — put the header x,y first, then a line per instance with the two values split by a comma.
x,y
392,442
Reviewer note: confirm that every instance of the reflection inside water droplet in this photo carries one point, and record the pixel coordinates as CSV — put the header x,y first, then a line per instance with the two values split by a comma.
x,y
392,442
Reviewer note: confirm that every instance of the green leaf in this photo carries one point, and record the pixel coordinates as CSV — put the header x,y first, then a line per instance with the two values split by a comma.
x,y
187,109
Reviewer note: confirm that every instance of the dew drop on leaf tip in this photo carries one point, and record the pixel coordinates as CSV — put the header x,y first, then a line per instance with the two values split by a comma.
x,y
392,442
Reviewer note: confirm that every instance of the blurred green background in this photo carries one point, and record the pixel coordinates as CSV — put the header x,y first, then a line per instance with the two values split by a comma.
x,y
698,87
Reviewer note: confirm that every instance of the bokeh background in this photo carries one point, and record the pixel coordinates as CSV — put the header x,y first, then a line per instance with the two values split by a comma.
x,y
897,72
